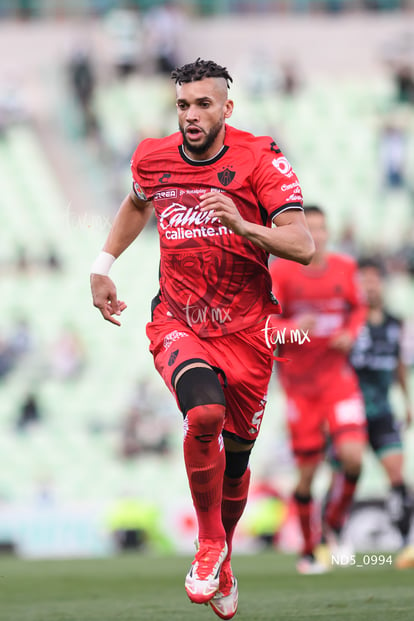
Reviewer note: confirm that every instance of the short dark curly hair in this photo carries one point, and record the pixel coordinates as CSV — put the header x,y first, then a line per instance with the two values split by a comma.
x,y
374,262
312,209
198,70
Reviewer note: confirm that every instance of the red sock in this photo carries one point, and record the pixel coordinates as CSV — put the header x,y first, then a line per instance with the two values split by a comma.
x,y
340,496
304,507
234,501
205,461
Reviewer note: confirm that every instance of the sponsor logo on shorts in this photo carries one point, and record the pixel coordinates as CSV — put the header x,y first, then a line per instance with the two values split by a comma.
x,y
173,357
172,337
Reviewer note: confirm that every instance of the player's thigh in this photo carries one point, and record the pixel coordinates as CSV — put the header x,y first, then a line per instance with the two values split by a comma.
x,y
384,435
175,347
306,429
247,363
347,425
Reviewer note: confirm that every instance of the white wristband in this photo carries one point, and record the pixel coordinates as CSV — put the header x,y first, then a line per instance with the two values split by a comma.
x,y
102,263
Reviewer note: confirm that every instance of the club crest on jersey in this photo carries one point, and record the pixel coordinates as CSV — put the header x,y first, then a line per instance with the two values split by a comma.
x,y
226,176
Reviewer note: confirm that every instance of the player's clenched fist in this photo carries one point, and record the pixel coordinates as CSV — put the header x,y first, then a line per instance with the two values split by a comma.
x,y
105,297
224,209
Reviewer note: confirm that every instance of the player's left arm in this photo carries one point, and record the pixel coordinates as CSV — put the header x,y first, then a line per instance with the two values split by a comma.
x,y
402,381
289,239
345,338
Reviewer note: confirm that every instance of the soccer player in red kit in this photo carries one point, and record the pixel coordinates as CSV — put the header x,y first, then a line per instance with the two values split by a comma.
x,y
323,312
215,191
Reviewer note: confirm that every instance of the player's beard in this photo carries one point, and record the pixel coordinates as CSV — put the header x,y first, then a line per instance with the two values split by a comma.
x,y
209,139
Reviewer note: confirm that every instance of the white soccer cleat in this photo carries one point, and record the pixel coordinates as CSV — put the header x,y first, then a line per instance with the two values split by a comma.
x,y
308,565
203,579
224,603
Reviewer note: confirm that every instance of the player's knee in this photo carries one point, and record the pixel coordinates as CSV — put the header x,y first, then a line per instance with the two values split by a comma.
x,y
352,467
350,457
237,463
307,471
205,422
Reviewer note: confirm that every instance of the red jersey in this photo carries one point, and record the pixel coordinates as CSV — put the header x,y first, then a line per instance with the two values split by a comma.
x,y
330,293
215,281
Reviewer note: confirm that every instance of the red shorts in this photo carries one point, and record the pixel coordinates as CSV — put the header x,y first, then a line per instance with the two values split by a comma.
x,y
243,357
339,417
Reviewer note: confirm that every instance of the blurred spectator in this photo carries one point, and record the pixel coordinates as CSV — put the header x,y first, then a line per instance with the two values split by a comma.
x,y
82,81
261,76
125,28
404,81
347,242
53,261
12,105
22,260
68,357
29,413
163,26
6,357
143,430
289,78
393,139
21,339
13,347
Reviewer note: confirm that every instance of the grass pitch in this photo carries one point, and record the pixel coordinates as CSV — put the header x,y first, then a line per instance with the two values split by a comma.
x,y
147,588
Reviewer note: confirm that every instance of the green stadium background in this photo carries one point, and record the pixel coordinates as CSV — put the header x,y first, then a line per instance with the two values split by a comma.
x,y
65,485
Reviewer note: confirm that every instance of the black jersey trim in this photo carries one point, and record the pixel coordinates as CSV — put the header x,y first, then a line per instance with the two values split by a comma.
x,y
263,213
279,210
213,160
154,303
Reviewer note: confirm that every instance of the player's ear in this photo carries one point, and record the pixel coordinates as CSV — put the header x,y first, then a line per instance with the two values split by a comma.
x,y
228,108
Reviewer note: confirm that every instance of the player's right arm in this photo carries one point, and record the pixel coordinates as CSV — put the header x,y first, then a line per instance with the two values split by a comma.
x,y
130,220
128,223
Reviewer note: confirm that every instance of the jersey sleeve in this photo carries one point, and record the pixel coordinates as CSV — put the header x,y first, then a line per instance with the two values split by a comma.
x,y
140,185
276,184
